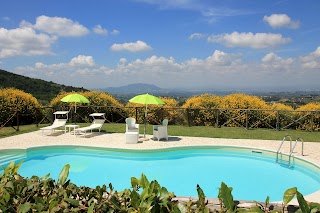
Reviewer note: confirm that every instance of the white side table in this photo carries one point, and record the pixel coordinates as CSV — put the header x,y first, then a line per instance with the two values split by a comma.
x,y
70,126
132,137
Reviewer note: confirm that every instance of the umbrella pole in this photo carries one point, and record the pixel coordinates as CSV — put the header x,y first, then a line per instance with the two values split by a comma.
x,y
145,120
75,111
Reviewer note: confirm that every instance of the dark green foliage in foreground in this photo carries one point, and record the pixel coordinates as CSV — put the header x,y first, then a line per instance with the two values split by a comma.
x,y
18,194
40,89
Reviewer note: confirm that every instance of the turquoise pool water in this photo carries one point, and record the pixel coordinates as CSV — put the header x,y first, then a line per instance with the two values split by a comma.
x,y
253,174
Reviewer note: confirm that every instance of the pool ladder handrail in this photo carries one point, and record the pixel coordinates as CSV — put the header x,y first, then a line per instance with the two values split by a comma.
x,y
291,148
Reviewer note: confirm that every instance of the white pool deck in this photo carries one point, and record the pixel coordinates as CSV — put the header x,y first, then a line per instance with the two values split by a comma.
x,y
117,140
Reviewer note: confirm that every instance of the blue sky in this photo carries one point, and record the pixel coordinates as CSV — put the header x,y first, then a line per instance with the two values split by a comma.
x,y
197,44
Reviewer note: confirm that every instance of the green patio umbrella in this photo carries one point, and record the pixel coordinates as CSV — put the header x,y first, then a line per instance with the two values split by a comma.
x,y
146,99
75,98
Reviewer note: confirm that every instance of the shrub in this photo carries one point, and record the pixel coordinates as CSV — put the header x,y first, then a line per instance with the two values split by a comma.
x,y
96,98
281,116
156,113
166,111
13,100
101,102
238,116
311,120
18,194
195,113
278,106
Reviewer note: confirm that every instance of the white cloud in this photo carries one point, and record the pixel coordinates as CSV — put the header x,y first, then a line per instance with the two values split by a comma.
x,y
197,36
281,20
99,30
79,71
59,26
24,41
276,63
210,10
115,32
217,59
82,60
181,4
311,61
221,70
222,58
256,41
6,18
25,24
132,47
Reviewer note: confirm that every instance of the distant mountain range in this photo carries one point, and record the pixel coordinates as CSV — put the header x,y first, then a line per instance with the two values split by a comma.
x,y
44,91
133,89
125,92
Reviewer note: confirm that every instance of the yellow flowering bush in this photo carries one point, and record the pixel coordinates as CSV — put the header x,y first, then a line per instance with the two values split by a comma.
x,y
156,113
279,106
312,121
195,113
237,116
280,115
310,106
13,100
99,102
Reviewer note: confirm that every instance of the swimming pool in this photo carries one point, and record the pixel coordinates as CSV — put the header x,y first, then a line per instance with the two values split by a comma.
x,y
253,174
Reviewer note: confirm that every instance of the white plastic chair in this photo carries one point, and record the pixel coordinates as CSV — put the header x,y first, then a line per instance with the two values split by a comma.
x,y
131,125
58,122
161,131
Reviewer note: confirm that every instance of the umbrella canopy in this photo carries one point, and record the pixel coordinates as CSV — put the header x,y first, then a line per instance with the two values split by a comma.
x,y
146,99
75,98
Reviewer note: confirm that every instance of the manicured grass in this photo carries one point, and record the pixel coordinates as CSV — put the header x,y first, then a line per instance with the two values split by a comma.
x,y
195,131
9,131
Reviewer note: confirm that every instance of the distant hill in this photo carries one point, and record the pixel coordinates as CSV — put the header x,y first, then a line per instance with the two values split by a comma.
x,y
133,89
44,91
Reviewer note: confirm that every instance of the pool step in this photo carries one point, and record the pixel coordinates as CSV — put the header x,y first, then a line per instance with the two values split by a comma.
x,y
8,158
285,163
285,159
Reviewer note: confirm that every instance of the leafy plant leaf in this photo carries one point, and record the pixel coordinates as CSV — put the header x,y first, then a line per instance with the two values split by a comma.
x,y
315,207
45,177
144,181
24,208
302,203
135,199
115,202
201,197
90,209
72,201
253,210
267,200
289,194
180,208
164,194
226,196
134,182
64,174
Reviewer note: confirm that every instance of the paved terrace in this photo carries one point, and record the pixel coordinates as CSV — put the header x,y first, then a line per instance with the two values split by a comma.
x,y
117,140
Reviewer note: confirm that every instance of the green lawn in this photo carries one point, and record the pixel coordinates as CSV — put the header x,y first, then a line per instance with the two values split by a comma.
x,y
195,131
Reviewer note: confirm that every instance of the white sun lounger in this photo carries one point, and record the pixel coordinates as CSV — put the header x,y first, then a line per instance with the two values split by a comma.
x,y
97,123
57,123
